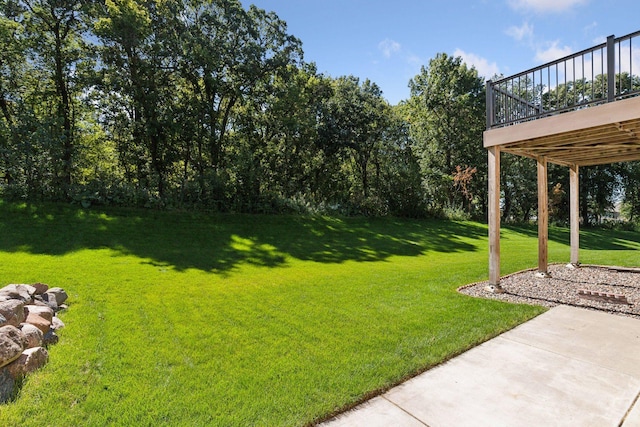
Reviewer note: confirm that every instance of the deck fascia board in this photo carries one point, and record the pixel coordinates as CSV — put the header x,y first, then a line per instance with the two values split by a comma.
x,y
612,113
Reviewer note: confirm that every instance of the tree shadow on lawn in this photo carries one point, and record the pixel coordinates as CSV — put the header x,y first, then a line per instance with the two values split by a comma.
x,y
590,238
219,243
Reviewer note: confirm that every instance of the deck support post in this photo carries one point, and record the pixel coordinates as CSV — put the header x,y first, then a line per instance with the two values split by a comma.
x,y
574,214
494,218
543,217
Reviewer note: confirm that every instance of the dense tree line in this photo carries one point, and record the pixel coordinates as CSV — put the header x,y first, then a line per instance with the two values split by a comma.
x,y
208,104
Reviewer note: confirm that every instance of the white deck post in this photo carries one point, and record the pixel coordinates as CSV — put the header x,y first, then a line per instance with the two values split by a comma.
x,y
494,217
543,217
574,213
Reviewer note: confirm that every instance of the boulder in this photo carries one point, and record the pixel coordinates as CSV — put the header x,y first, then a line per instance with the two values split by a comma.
x,y
39,300
13,311
30,360
39,316
56,323
34,335
7,385
42,311
47,299
41,288
39,322
50,338
12,344
59,294
21,292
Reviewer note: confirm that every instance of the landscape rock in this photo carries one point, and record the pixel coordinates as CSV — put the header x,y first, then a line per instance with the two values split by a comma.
x,y
39,322
13,311
42,311
7,385
12,344
47,299
40,317
50,338
21,292
30,360
34,335
41,288
27,323
59,294
56,323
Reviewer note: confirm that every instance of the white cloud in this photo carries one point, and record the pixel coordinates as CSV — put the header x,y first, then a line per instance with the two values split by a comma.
x,y
525,31
545,5
388,47
553,52
485,69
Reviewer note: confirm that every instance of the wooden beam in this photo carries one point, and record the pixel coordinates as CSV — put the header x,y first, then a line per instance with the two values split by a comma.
x,y
543,216
574,213
601,115
494,216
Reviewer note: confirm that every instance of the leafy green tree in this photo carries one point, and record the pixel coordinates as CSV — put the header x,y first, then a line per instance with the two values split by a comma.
x,y
630,178
398,176
55,31
275,134
599,186
137,37
353,123
12,71
227,53
41,79
447,116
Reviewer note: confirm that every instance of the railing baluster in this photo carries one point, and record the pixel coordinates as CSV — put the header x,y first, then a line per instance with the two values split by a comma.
x,y
611,69
525,97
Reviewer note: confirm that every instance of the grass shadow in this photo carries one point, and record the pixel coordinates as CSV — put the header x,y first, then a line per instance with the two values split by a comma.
x,y
218,243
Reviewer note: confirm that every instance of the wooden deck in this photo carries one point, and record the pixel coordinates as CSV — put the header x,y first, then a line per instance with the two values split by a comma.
x,y
580,110
602,134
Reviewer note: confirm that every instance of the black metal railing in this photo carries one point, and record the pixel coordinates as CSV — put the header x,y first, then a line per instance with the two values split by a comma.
x,y
603,73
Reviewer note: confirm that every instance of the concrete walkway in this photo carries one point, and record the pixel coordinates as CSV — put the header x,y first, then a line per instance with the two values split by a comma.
x,y
567,367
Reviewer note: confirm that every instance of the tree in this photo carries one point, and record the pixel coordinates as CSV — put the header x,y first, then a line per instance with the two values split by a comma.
x,y
354,122
630,179
12,70
275,135
599,186
447,116
137,39
227,53
55,29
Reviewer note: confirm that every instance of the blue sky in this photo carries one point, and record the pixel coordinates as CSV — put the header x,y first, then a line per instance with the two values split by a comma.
x,y
387,41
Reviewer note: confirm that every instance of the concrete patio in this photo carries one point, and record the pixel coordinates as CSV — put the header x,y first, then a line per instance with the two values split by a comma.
x,y
567,367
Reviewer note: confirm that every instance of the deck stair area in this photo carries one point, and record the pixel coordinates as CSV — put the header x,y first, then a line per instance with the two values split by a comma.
x,y
580,110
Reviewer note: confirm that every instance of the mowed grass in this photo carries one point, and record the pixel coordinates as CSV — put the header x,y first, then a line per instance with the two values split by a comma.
x,y
182,319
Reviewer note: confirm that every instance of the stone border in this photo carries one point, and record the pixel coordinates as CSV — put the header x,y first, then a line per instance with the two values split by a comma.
x,y
28,325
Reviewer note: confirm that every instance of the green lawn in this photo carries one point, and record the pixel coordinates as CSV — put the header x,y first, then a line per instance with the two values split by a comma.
x,y
232,320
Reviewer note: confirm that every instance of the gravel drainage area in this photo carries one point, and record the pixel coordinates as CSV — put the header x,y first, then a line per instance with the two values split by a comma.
x,y
611,289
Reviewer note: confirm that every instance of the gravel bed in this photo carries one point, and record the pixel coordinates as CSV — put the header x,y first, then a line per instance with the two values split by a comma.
x,y
563,286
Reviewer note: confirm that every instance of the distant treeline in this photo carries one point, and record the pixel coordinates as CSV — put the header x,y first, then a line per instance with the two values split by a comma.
x,y
205,104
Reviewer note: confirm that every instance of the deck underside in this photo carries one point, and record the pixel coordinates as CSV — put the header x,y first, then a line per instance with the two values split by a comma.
x,y
603,134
